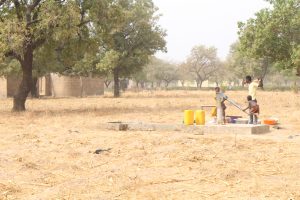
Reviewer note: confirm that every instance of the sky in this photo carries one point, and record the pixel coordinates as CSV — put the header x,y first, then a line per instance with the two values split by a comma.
x,y
203,22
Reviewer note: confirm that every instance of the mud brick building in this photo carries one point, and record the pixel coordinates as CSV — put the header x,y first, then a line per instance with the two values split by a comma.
x,y
56,86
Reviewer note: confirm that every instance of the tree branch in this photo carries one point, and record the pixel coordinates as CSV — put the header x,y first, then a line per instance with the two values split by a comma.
x,y
38,43
34,4
83,23
14,54
18,10
29,10
33,22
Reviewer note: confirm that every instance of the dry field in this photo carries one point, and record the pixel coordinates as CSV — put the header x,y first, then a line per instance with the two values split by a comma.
x,y
48,152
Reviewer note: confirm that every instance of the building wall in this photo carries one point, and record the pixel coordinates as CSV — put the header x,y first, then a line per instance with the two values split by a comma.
x,y
75,86
44,85
3,87
13,83
56,86
92,86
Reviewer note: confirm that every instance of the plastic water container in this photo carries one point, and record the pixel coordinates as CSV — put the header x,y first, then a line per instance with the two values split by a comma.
x,y
200,117
189,117
213,112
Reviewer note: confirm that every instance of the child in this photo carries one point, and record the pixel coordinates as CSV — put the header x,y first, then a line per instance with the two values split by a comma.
x,y
253,85
220,98
253,110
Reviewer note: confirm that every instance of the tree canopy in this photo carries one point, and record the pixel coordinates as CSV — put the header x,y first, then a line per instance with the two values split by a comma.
x,y
76,37
27,31
202,63
241,65
129,34
274,34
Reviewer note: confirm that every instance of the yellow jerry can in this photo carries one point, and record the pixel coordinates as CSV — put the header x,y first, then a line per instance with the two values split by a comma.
x,y
200,117
188,117
214,112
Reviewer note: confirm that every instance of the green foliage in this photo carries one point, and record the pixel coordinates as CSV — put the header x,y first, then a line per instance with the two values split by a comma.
x,y
240,65
274,34
9,67
44,27
109,61
129,34
82,36
140,76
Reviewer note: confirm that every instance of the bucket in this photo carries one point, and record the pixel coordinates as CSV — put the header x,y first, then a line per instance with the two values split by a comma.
x,y
269,122
200,117
189,117
232,119
213,112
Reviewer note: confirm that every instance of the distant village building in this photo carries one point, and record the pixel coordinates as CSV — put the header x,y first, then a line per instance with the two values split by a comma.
x,y
57,86
3,87
8,86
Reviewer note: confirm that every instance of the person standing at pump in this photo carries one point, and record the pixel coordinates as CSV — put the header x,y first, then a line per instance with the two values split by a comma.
x,y
252,87
221,107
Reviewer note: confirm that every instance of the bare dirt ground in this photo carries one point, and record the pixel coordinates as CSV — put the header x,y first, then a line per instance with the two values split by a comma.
x,y
48,152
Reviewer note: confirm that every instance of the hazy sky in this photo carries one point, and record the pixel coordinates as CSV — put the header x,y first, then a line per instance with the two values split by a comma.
x,y
209,22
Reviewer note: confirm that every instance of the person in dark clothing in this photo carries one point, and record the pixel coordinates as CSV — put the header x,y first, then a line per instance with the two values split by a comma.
x,y
253,110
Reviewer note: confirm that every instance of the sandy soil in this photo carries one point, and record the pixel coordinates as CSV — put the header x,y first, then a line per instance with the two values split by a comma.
x,y
48,152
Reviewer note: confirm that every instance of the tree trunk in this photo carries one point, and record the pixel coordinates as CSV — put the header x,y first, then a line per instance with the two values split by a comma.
x,y
143,84
34,89
158,83
200,86
81,86
199,83
182,83
123,85
167,84
107,83
264,72
24,88
116,83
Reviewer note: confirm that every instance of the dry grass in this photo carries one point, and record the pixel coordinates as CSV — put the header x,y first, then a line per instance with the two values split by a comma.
x,y
47,152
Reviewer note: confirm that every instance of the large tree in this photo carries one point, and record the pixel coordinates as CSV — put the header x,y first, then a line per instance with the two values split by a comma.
x,y
240,65
202,63
26,27
274,34
129,34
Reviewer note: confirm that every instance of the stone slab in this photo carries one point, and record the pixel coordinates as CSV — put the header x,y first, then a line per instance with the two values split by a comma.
x,y
206,129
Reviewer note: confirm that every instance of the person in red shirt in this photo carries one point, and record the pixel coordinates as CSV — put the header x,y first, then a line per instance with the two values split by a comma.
x,y
253,110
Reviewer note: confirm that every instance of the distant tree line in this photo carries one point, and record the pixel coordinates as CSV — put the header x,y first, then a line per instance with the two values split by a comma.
x,y
268,48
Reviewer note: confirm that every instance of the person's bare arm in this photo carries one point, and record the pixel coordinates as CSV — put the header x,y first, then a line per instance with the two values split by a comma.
x,y
258,82
246,108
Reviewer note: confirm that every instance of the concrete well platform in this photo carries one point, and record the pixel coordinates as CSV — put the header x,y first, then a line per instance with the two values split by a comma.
x,y
206,129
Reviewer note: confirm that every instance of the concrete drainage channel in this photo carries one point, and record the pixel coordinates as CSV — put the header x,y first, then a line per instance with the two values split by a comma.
x,y
206,129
